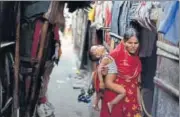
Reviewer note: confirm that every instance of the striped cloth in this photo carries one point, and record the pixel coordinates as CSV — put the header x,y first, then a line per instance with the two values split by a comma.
x,y
112,68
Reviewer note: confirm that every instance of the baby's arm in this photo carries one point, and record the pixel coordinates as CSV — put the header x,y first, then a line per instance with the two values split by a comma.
x,y
110,84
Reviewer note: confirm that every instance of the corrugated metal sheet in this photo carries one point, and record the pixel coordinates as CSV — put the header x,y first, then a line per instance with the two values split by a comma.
x,y
166,94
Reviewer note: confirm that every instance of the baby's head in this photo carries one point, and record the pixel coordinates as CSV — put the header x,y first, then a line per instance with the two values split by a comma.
x,y
96,52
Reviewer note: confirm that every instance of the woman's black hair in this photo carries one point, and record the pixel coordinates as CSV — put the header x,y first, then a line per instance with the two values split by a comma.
x,y
130,33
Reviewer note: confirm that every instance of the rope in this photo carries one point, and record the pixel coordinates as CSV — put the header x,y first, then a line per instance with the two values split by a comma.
x,y
143,106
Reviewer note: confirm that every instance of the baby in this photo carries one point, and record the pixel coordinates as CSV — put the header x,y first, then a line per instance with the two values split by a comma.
x,y
99,52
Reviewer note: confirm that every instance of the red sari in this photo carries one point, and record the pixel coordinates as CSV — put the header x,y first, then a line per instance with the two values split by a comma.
x,y
129,69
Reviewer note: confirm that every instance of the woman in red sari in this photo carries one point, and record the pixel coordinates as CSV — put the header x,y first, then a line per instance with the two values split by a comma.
x,y
129,69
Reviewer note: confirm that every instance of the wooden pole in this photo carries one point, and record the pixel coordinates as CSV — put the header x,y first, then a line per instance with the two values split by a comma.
x,y
168,48
15,111
35,76
166,87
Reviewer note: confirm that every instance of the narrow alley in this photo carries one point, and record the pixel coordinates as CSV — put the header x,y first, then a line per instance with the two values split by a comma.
x,y
60,91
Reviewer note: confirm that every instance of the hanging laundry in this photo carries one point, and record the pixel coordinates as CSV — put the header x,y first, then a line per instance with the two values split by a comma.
x,y
147,40
36,39
123,18
91,14
117,5
98,22
55,14
141,13
33,8
108,19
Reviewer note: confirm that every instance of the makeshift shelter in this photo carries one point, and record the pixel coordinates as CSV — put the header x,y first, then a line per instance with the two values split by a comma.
x,y
27,41
159,54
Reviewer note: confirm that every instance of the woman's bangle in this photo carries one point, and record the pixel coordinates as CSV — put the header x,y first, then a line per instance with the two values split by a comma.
x,y
139,85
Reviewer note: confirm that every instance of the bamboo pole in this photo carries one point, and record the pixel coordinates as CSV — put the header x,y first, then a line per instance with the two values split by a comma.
x,y
15,111
166,54
168,48
166,87
116,36
36,70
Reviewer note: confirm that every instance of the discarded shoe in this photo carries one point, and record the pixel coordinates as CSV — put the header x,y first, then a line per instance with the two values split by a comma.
x,y
45,110
84,98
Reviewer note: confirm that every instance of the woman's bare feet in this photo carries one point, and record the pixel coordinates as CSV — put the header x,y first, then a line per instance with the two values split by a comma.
x,y
95,104
110,106
96,107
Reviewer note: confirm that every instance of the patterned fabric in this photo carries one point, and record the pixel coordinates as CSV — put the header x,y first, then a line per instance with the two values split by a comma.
x,y
129,69
142,15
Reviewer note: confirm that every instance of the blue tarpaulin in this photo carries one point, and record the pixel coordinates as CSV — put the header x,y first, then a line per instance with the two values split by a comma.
x,y
169,25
